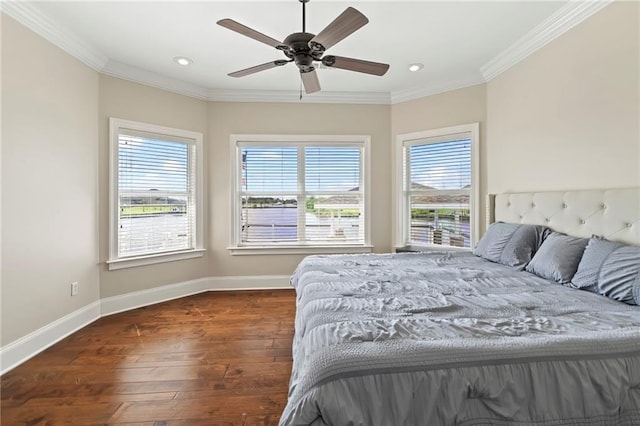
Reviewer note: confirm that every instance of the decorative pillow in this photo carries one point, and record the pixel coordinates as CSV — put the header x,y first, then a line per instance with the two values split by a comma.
x,y
511,244
597,251
619,277
558,257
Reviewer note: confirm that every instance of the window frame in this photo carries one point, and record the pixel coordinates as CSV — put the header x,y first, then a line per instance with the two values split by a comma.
x,y
237,248
189,137
402,222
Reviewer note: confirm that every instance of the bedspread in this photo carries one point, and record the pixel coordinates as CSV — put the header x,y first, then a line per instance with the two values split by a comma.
x,y
445,337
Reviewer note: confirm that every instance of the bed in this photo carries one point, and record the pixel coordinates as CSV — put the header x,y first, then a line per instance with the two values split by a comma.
x,y
533,328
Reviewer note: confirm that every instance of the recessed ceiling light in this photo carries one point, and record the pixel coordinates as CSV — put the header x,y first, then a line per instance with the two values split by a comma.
x,y
415,67
181,60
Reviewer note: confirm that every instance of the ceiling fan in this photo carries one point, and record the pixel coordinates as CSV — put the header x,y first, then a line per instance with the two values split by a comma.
x,y
305,48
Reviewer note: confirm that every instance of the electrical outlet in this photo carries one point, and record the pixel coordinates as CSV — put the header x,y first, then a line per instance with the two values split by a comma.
x,y
74,288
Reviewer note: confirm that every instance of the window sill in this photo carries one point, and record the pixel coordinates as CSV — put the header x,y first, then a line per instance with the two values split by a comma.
x,y
328,249
132,262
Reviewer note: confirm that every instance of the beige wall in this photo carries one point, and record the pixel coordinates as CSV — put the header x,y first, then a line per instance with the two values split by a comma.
x,y
462,106
131,101
49,172
227,118
567,117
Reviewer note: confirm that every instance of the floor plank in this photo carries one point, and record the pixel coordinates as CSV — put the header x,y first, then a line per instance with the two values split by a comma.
x,y
216,358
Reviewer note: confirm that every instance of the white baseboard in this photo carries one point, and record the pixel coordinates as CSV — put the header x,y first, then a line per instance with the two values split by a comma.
x,y
137,299
260,282
19,351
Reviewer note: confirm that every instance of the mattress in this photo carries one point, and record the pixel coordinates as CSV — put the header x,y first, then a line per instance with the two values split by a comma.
x,y
445,337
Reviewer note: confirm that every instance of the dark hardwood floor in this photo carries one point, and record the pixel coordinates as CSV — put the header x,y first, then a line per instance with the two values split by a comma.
x,y
217,358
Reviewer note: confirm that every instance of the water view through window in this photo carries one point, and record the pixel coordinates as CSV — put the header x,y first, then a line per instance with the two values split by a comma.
x,y
278,221
285,200
438,190
155,211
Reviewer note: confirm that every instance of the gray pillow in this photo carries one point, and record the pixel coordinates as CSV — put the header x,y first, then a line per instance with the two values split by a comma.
x,y
510,244
597,251
558,257
619,277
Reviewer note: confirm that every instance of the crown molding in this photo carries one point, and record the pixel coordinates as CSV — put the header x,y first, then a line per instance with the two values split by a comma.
x,y
148,78
139,75
294,96
421,92
554,26
31,17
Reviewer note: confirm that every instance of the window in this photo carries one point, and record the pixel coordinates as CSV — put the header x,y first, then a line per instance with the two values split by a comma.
x,y
437,187
156,187
300,194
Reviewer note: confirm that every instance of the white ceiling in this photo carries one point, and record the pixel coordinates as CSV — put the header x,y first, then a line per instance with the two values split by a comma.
x,y
456,41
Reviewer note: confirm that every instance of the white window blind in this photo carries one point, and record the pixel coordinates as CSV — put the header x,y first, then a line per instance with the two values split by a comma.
x,y
437,188
269,196
156,174
333,198
300,194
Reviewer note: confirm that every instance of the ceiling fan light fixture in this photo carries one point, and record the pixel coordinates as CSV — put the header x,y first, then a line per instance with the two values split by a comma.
x,y
182,60
415,67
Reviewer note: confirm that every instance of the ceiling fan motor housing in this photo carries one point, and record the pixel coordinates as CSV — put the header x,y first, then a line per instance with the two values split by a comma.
x,y
300,51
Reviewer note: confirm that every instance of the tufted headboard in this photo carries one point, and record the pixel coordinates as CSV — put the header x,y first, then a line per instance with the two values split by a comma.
x,y
610,213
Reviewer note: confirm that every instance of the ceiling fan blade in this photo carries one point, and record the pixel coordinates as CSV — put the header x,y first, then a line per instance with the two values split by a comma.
x,y
345,24
258,68
250,32
351,64
310,81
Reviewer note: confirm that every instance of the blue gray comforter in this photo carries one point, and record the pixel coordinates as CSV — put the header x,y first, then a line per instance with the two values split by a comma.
x,y
445,338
